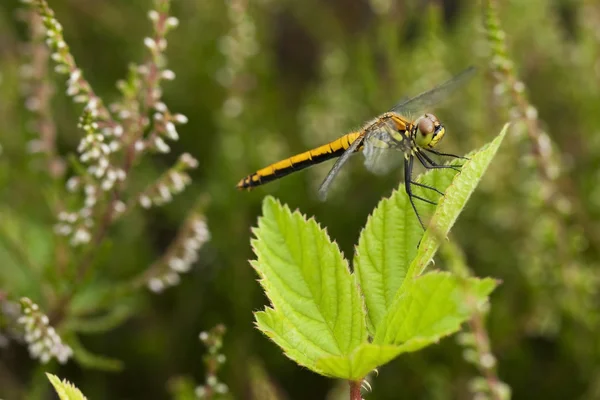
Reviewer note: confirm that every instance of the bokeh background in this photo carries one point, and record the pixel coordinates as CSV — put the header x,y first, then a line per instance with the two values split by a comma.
x,y
261,80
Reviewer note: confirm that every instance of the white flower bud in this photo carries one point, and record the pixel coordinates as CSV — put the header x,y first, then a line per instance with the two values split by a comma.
x,y
172,22
150,43
153,15
180,119
168,74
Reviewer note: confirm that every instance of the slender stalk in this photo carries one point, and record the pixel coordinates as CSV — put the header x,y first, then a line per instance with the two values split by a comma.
x,y
482,345
355,390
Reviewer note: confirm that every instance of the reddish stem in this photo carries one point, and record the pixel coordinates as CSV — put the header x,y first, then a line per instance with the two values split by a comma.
x,y
355,390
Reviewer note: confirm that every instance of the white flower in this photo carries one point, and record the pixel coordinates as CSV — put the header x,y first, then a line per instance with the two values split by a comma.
x,y
73,183
150,43
120,207
161,107
172,278
221,388
161,145
172,22
72,90
85,212
180,119
156,285
168,74
61,69
143,70
171,131
188,160
200,392
107,184
192,244
43,341
178,265
90,201
145,201
124,114
81,236
165,193
153,15
82,98
62,229
118,130
114,146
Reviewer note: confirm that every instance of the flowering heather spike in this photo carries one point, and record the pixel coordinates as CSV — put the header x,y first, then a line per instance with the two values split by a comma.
x,y
94,153
181,254
43,341
172,182
77,86
39,90
213,340
514,91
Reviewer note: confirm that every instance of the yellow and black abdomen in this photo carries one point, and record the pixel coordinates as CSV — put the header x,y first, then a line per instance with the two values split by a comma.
x,y
300,161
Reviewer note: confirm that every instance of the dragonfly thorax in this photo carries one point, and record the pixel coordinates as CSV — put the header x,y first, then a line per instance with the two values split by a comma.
x,y
429,131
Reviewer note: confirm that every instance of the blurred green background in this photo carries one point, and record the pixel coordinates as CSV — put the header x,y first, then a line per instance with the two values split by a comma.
x,y
261,80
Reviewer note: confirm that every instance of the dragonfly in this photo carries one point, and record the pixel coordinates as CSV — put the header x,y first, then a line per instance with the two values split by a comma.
x,y
408,127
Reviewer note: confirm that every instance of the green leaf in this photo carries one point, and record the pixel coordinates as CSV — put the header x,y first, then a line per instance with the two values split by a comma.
x,y
432,306
353,366
364,359
64,389
101,323
387,247
91,360
316,309
454,200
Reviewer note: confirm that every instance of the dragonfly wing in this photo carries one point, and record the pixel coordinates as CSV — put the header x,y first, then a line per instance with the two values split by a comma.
x,y
381,159
337,166
424,101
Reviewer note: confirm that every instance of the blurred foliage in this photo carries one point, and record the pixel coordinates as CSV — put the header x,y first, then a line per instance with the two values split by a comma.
x,y
265,79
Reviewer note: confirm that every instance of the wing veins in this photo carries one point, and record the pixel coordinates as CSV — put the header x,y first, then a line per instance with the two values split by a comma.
x,y
421,102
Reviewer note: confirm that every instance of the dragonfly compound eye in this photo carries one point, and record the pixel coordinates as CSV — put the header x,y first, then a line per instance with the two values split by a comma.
x,y
425,130
430,131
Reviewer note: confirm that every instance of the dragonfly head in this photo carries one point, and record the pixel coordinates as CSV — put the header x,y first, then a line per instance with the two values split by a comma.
x,y
429,131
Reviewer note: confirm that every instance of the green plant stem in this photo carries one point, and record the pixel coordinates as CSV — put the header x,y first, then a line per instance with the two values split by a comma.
x,y
355,390
482,344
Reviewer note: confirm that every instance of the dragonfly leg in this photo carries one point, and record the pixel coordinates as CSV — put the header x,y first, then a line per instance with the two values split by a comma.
x,y
408,166
437,153
427,187
430,164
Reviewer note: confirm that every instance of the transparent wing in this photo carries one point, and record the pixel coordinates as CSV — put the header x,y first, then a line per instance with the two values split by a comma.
x,y
380,158
336,168
424,101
